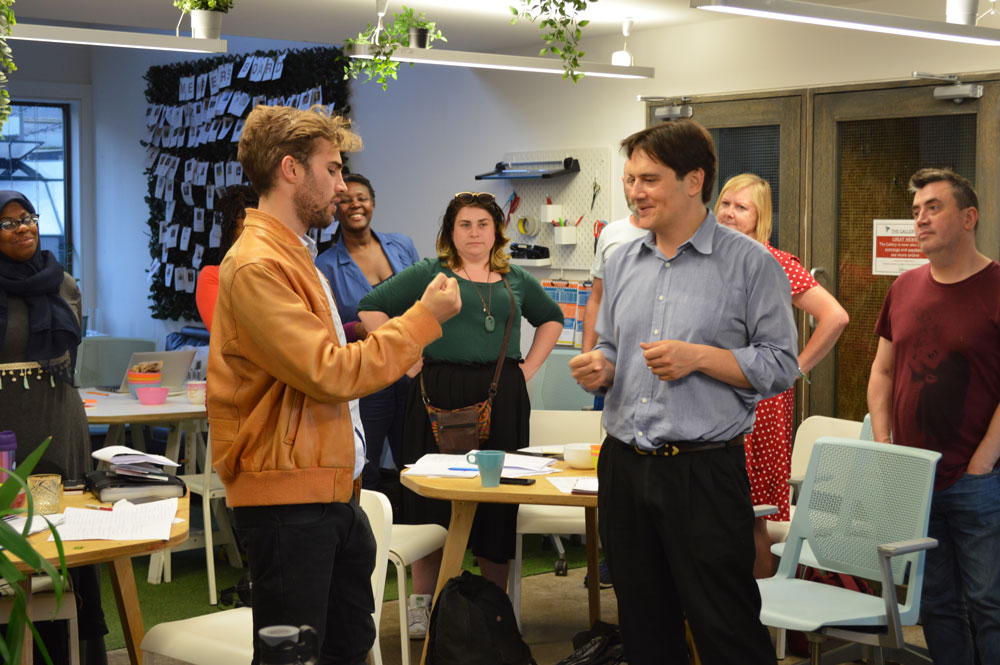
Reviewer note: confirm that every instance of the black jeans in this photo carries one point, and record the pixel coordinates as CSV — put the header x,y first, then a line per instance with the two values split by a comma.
x,y
311,564
678,536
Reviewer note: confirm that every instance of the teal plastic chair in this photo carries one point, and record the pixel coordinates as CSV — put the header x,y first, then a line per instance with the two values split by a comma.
x,y
863,511
553,386
102,361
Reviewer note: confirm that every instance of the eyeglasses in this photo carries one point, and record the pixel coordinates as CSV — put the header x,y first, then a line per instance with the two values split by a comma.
x,y
482,198
9,224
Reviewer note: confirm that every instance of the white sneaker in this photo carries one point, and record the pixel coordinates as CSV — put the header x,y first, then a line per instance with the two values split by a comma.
x,y
418,615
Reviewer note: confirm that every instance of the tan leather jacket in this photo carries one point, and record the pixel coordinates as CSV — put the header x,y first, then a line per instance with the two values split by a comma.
x,y
278,380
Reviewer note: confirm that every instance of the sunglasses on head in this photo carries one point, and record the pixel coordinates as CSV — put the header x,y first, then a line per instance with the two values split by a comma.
x,y
482,198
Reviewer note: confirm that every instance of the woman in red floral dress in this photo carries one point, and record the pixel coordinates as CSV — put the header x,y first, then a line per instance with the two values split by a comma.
x,y
745,206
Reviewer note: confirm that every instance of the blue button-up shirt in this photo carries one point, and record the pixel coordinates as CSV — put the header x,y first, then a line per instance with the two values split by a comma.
x,y
722,289
348,283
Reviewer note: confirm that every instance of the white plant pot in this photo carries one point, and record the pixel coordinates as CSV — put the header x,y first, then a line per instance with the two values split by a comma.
x,y
206,24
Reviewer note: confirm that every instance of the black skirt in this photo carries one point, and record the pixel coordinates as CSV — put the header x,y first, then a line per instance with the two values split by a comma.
x,y
452,386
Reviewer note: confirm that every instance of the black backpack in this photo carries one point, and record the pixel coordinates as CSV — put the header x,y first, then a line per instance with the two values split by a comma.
x,y
601,645
473,624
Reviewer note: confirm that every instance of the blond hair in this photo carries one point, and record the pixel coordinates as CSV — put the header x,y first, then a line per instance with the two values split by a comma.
x,y
271,133
760,194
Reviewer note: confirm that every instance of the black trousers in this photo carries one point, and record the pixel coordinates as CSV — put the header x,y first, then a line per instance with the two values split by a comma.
x,y
311,564
678,537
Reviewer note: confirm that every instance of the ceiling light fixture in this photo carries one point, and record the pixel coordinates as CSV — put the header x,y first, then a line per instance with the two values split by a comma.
x,y
623,58
856,19
517,63
92,37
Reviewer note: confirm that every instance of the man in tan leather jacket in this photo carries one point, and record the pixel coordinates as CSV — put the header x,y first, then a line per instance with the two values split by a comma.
x,y
283,388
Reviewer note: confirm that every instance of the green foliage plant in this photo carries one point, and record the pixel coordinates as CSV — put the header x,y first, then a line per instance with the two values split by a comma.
x,y
16,543
561,29
208,5
6,57
382,44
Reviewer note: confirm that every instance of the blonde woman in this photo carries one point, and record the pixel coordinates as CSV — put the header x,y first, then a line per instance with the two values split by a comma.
x,y
745,206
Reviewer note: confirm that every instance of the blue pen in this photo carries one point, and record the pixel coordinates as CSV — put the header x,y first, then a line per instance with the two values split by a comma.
x,y
461,468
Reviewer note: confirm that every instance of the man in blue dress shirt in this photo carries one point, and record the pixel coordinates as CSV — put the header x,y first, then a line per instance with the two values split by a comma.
x,y
694,328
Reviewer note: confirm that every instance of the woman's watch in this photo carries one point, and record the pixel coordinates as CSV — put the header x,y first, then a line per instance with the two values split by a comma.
x,y
804,376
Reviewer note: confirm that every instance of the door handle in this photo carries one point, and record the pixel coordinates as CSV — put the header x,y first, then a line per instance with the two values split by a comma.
x,y
814,272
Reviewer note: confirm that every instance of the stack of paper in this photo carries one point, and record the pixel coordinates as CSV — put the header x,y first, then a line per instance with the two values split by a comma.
x,y
126,521
456,466
133,475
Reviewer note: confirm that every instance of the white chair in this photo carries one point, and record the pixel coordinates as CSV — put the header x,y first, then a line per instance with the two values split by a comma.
x,y
226,638
213,500
862,505
552,428
408,543
43,608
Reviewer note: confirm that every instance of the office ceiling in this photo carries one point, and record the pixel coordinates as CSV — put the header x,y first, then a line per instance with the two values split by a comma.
x,y
474,25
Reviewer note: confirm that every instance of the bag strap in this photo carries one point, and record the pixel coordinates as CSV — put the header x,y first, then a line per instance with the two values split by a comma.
x,y
503,351
506,339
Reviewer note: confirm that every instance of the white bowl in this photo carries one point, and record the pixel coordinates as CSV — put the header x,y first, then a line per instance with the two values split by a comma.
x,y
577,455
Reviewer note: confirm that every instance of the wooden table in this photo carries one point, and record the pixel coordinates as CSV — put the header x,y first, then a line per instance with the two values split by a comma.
x,y
118,555
466,494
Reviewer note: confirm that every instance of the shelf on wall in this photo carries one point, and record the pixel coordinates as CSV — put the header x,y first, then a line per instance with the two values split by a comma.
x,y
531,170
531,263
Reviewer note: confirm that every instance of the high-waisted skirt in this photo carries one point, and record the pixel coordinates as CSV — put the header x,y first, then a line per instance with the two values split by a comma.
x,y
452,386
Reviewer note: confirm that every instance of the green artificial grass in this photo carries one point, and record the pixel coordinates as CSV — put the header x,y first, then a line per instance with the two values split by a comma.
x,y
187,595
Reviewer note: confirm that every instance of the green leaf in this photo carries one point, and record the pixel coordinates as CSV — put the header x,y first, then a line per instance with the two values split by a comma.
x,y
584,23
513,10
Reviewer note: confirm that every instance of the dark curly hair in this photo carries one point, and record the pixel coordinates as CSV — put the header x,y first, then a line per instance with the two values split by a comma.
x,y
230,208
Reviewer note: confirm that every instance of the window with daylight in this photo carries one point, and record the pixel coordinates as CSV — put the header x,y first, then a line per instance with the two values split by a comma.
x,y
34,160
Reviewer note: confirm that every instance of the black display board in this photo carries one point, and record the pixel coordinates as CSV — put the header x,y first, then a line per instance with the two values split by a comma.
x,y
194,110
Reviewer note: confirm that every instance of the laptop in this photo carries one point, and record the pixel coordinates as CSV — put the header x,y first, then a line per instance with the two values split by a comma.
x,y
173,374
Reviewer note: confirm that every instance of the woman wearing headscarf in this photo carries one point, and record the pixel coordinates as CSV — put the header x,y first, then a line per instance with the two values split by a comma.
x,y
39,336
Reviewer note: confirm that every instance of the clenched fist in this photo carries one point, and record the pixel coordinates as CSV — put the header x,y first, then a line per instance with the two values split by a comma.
x,y
592,370
669,359
442,297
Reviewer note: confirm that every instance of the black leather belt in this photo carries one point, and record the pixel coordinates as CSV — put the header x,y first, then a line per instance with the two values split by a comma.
x,y
672,448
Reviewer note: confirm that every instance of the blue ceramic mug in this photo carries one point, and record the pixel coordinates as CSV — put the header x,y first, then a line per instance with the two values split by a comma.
x,y
490,463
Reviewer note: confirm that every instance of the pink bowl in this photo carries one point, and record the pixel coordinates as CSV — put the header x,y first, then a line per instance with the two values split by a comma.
x,y
152,396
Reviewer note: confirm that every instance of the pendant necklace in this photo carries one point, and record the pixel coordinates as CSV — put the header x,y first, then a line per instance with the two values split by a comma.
x,y
489,323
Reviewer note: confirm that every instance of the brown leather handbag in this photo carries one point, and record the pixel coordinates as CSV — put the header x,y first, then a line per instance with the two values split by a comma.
x,y
461,430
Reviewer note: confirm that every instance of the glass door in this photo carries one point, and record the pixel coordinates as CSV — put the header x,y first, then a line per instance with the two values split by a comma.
x,y
866,145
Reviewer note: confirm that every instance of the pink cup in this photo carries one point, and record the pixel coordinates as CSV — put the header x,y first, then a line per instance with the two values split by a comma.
x,y
152,396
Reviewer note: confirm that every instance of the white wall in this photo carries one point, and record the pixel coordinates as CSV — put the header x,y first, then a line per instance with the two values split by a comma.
x,y
436,127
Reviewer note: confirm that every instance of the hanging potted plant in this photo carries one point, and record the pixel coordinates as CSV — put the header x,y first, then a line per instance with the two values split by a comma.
x,y
380,43
16,543
206,16
6,61
561,29
414,30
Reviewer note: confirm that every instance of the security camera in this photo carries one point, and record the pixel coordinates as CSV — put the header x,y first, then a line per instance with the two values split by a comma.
x,y
959,92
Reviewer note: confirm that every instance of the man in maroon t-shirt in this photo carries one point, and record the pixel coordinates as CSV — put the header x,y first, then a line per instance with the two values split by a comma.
x,y
936,381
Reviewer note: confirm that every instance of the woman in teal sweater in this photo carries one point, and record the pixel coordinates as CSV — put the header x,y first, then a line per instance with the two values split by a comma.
x,y
458,367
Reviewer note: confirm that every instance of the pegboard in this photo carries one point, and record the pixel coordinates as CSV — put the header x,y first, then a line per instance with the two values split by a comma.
x,y
574,193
